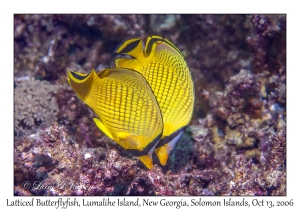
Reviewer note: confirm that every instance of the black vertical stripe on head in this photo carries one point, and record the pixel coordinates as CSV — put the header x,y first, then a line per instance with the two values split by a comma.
x,y
167,139
130,46
80,77
150,45
146,150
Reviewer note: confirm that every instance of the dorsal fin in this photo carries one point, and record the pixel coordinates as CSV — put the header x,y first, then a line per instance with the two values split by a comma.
x,y
81,83
153,41
132,47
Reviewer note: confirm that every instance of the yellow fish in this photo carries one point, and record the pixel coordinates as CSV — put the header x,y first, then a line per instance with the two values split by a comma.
x,y
126,106
165,69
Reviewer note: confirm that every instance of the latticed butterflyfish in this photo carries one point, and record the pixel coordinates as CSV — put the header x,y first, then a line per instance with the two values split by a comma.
x,y
165,69
126,107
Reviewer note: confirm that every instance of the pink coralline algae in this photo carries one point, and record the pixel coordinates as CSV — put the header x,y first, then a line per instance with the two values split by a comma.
x,y
235,144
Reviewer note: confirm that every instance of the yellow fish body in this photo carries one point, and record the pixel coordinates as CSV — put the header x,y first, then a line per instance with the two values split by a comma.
x,y
165,69
126,106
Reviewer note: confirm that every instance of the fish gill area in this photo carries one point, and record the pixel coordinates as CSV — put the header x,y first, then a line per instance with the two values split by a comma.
x,y
234,145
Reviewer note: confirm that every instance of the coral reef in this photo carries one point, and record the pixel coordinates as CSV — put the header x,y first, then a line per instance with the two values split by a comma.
x,y
235,145
34,104
56,165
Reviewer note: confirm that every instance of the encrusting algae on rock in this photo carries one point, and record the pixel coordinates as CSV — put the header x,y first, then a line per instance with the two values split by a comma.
x,y
142,109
